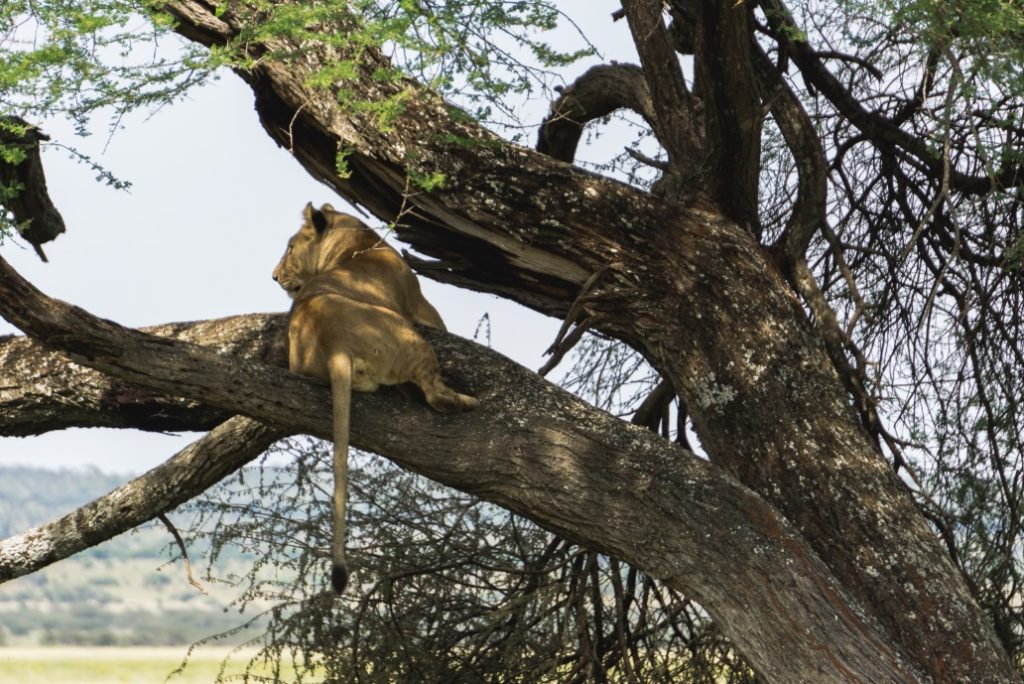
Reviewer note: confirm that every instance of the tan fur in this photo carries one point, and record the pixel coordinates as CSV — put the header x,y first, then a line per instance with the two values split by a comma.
x,y
352,324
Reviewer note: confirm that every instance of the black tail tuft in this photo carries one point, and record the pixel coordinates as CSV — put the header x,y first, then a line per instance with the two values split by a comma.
x,y
339,578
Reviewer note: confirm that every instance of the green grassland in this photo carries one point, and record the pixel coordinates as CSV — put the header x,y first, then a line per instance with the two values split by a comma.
x,y
63,665
107,602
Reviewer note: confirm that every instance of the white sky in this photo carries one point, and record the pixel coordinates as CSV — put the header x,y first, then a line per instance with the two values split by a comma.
x,y
212,202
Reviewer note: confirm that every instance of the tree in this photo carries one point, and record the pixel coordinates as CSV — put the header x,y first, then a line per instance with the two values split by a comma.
x,y
834,190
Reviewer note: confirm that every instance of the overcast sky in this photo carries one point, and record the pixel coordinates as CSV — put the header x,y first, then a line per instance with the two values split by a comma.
x,y
212,202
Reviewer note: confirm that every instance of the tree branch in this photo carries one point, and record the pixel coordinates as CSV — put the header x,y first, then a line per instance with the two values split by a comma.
x,y
569,467
191,471
34,387
675,124
812,170
601,90
36,218
881,131
725,82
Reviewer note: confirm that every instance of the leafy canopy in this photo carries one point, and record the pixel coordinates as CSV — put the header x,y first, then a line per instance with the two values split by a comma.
x,y
71,58
79,59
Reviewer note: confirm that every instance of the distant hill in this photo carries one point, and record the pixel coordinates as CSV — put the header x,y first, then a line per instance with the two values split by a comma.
x,y
123,592
31,496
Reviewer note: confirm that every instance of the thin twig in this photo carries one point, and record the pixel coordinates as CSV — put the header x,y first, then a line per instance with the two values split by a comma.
x,y
564,341
184,553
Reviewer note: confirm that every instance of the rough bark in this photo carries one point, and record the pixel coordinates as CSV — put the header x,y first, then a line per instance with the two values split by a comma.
x,y
675,123
530,447
36,393
600,91
726,83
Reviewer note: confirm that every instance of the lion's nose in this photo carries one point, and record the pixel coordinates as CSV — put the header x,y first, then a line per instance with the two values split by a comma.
x,y
274,276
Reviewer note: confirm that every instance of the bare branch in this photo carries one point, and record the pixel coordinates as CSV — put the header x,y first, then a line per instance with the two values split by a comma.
x,y
37,219
191,471
600,91
802,140
184,552
880,130
675,125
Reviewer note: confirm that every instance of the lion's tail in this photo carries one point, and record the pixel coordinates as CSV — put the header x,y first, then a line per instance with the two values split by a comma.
x,y
340,368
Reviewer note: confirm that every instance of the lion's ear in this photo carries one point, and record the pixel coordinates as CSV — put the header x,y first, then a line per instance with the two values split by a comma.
x,y
316,218
320,221
327,208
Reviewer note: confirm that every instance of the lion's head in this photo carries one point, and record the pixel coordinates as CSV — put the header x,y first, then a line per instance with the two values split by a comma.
x,y
326,239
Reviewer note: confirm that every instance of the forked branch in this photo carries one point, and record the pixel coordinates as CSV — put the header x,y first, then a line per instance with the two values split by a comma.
x,y
882,132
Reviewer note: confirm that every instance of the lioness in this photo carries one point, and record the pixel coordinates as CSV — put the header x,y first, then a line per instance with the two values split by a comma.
x,y
352,324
